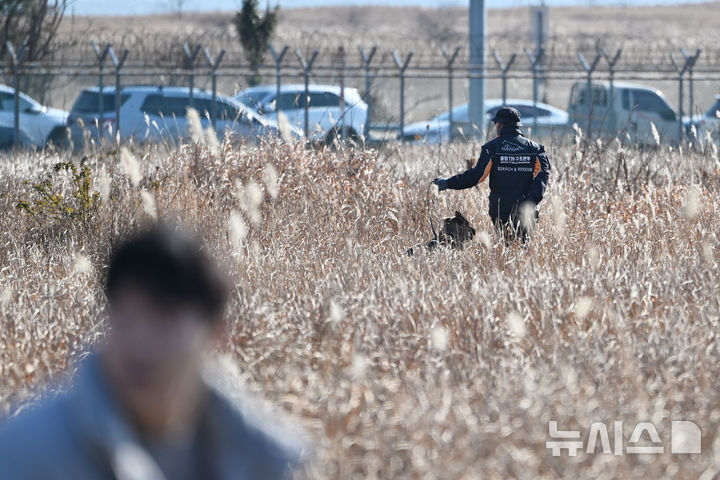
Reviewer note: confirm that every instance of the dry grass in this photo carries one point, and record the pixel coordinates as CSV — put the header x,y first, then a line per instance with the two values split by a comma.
x,y
444,365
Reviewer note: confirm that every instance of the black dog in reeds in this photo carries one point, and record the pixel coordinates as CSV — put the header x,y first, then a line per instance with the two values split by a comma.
x,y
455,231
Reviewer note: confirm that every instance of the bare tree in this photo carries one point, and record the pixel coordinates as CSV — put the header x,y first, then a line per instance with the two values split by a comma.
x,y
34,23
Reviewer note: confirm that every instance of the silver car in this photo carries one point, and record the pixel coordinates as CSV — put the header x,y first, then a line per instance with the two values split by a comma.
x,y
710,122
41,124
159,114
437,130
9,142
325,117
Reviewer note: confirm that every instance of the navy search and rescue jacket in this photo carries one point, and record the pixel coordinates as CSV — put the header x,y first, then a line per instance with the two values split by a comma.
x,y
518,169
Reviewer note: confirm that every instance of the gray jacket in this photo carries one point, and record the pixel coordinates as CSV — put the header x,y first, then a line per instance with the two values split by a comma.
x,y
81,435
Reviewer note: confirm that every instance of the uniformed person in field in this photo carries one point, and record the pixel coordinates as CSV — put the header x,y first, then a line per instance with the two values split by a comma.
x,y
518,171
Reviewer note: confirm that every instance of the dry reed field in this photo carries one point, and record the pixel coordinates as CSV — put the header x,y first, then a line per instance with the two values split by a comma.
x,y
444,365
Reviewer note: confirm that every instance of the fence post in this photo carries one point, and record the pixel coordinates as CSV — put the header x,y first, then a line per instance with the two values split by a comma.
x,y
402,66
118,63
307,68
691,59
687,66
680,72
503,72
214,64
343,60
589,69
450,59
16,60
535,60
278,73
101,56
190,59
611,68
367,59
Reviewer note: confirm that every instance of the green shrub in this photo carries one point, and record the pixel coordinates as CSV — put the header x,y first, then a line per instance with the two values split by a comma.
x,y
47,201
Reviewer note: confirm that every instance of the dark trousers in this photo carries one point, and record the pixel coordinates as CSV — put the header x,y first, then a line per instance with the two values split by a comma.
x,y
512,229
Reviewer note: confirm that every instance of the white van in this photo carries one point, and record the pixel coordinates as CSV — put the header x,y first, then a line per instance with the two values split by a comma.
x,y
625,110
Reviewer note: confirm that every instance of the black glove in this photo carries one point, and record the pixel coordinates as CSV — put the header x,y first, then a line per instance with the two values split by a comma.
x,y
442,183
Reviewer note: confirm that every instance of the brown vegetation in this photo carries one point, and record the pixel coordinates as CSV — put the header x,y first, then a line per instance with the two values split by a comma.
x,y
444,365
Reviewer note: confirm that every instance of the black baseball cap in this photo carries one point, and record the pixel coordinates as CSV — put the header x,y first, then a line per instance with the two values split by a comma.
x,y
507,116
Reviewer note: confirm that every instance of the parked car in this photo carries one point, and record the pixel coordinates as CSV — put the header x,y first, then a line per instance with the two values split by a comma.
x,y
8,141
626,111
324,114
40,123
157,113
710,122
437,130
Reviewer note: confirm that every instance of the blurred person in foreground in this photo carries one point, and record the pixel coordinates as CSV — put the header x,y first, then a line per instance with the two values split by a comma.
x,y
140,408
518,170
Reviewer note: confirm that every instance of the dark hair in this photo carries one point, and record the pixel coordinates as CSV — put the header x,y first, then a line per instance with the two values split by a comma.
x,y
171,268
